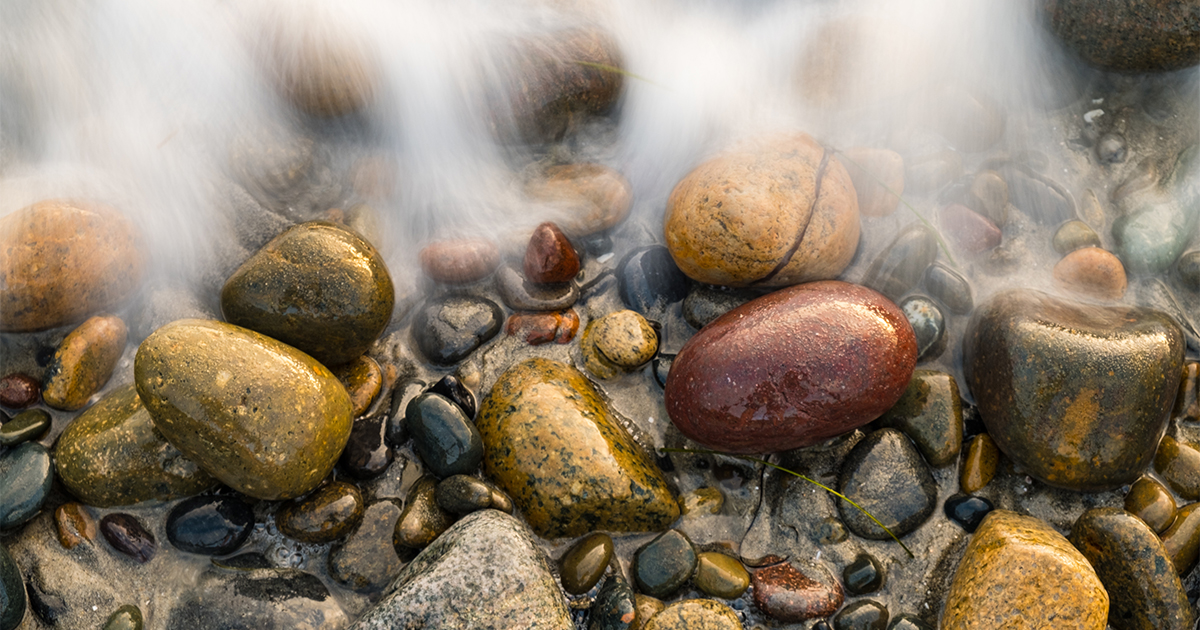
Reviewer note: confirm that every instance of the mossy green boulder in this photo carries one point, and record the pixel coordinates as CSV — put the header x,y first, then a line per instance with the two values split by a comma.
x,y
553,444
264,418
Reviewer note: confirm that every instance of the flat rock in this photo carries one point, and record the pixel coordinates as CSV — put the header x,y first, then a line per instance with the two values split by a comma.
x,y
886,476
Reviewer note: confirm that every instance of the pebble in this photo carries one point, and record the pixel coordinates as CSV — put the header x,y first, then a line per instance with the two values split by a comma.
x,y
979,465
1143,587
1112,35
930,413
363,380
111,454
878,178
863,614
886,476
1187,401
969,231
98,259
617,343
950,288
863,575
446,439
701,501
794,591
988,195
367,454
928,324
520,294
1045,200
1017,571
1182,539
550,258
1096,385
318,287
422,520
664,564
368,561
615,607
967,511
720,575
908,622
453,389
257,598
583,564
1156,224
396,432
646,607
554,445
450,328
31,424
1073,235
463,494
127,617
704,303
1179,465
323,516
18,391
1092,272
591,197
212,525
736,386
127,535
459,261
26,476
776,214
12,592
84,362
1150,501
898,268
1188,267
649,280
74,525
216,390
539,328
691,614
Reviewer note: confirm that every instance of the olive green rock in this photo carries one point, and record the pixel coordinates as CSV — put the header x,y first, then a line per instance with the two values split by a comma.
x,y
930,413
323,516
112,455
695,614
720,575
1019,573
582,566
1150,501
552,443
318,287
264,418
1179,465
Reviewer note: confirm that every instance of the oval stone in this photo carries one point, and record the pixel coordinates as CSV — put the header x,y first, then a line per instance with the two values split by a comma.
x,y
318,287
97,262
1077,395
885,475
582,566
210,525
324,516
1092,272
12,592
796,590
740,385
26,476
460,261
1116,35
266,419
552,443
695,613
84,362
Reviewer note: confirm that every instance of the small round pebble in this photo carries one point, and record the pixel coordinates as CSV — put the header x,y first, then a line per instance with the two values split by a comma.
x,y
664,564
949,287
127,535
615,607
362,378
550,258
422,520
863,575
456,392
18,391
647,607
1150,501
459,261
367,454
694,614
520,294
864,614
30,424
449,329
650,281
720,575
967,511
1179,466
1092,272
26,476
463,494
127,617
928,324
368,561
582,566
1182,539
324,516
979,466
211,525
617,343
84,362
796,590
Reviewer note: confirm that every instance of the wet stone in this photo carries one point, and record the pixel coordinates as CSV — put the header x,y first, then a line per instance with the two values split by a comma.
x,y
460,261
550,258
582,566
898,268
617,343
886,475
520,294
1073,235
12,592
908,621
701,501
323,516
664,564
422,520
615,607
456,392
84,362
591,197
127,617
1043,200
695,613
258,598
1157,222
1182,539
18,391
539,328
367,454
26,475
720,575
30,424
212,525
363,379
988,195
1143,587
649,280
863,575
863,614
928,324
396,432
795,590
704,303
74,525
1179,466
1150,501
367,561
878,178
968,230
1116,36
127,535
950,288
1092,272
979,466
445,438
646,607
463,494
930,413
967,511
450,328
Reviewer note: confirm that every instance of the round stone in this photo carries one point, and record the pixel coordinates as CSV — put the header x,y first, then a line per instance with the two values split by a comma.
x,y
127,535
84,362
1092,272
26,476
930,413
970,231
617,343
460,261
949,287
448,329
363,379
863,575
1182,539
1150,501
550,258
520,294
967,511
1114,35
540,328
368,561
615,607
212,525
1073,235
695,613
988,195
864,614
664,564
979,466
886,476
650,281
794,591
319,64
589,197
582,566
127,617
720,575
463,494
18,391
422,520
323,516
74,525
928,324
446,439
898,268
30,424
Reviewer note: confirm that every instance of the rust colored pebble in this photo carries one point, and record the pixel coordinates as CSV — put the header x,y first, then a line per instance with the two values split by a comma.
x,y
1093,272
460,261
539,328
550,257
84,362
980,464
789,594
18,391
127,535
363,380
74,524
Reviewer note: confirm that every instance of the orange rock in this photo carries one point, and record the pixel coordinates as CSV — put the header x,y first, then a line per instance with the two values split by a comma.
x,y
84,362
1093,272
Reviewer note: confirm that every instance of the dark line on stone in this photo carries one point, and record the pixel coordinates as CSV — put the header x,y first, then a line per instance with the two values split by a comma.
x,y
787,258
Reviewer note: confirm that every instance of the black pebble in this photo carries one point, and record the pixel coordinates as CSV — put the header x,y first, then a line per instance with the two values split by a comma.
x,y
650,280
397,429
453,389
210,525
967,511
127,535
367,454
864,575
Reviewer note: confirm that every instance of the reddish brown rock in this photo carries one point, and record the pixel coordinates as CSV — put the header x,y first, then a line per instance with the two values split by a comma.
x,y
792,368
591,197
969,230
460,261
1093,272
791,591
18,391
550,257
74,525
539,328
363,379
84,362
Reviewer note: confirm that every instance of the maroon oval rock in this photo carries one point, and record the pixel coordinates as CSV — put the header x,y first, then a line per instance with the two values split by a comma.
x,y
550,257
796,590
792,368
18,391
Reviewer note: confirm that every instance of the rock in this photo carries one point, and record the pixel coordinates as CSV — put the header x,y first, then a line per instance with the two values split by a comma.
x,y
422,519
550,258
127,535
1116,36
617,343
539,328
1091,272
1188,268
453,389
1187,401
26,475
521,294
210,525
448,329
582,566
704,303
864,614
615,607
317,287
967,511
18,391
795,590
1140,578
898,268
463,494
367,454
1157,223
646,607
363,379
737,386
367,561
74,525
1018,571
969,231
979,466
908,622
1150,501
878,178
98,263
664,564
1073,235
460,261
590,197
1043,199
885,475
949,287
695,613
930,413
12,592
257,599
778,214
112,455
487,552
127,617
244,390
928,325
323,516
649,280
720,575
1181,540
84,362
1096,385
988,195
553,444
30,424
448,442
863,575
1179,465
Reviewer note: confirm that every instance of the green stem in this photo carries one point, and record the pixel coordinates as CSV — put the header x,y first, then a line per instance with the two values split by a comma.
x,y
796,474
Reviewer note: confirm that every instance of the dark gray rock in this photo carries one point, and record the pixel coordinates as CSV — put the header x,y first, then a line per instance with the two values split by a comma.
x,y
886,475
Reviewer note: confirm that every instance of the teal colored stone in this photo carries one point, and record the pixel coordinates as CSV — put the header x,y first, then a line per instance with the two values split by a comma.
x,y
1159,222
12,592
26,475
27,425
664,564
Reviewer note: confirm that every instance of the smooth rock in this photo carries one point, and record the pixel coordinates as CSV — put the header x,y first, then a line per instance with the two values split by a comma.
x,y
552,443
74,525
777,214
646,607
1187,401
1019,572
112,455
454,390
1179,465
363,379
617,343
18,391
318,62
615,607
550,258
898,268
1150,501
460,261
127,535
795,590
589,197
1182,539
396,432
26,475
217,392
720,575
950,288
695,614
863,575
1043,199
930,413
968,230
650,281
323,516
450,328
127,617
463,494
367,561
98,260
928,324
1073,235
212,525
446,439
1076,395
967,511
704,303
1114,35
1092,272
737,386
863,614
908,622
12,592
1157,223
539,328
367,454
988,195
30,424
878,178
521,294
422,519
582,566
84,362
979,465
258,599
886,476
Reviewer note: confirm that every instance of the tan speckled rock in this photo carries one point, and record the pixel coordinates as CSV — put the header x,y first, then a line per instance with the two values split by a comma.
x,y
264,418
618,342
84,362
695,614
1093,272
554,445
774,214
61,261
1018,573
591,197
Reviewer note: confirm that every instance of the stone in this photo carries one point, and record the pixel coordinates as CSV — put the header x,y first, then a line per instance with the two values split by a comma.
x,y
1187,401
967,511
449,329
863,575
615,607
127,535
589,197
367,454
663,565
863,614
692,614
1181,540
949,287
1156,223
74,525
908,622
1092,272
216,391
18,391
1188,268
446,439
84,362
31,424
520,294
646,608
1179,465
1073,235
12,592
363,379
324,516
1144,590
487,552
550,258
460,261
704,303
979,465
1150,501
553,444
127,617
898,268
928,324
795,590
98,256
539,328
112,455
777,214
988,195
1019,572
582,566
317,287
737,386
212,525
26,476
457,392
422,519
969,231
930,413
463,494
720,575
265,598
1045,200
650,281
368,561
1116,36
618,342
878,178
886,476
1096,385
